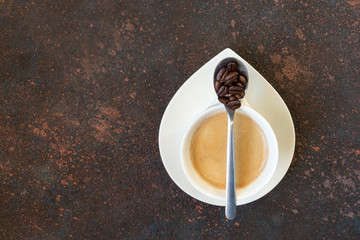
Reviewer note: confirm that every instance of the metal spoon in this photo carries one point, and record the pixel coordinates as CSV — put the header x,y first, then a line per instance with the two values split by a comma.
x,y
230,208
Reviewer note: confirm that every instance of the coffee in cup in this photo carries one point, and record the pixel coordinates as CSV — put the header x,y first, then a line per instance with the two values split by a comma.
x,y
204,149
209,144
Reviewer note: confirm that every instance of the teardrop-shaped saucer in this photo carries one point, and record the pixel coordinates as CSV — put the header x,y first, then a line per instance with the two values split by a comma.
x,y
197,94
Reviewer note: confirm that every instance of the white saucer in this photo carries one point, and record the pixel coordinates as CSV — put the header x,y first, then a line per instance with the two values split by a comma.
x,y
197,94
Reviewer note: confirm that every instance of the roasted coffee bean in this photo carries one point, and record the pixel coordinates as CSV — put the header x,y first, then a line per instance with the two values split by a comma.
x,y
223,100
231,66
233,98
235,92
242,79
240,84
231,75
231,81
235,88
222,79
231,78
220,73
223,91
228,95
241,95
217,85
233,104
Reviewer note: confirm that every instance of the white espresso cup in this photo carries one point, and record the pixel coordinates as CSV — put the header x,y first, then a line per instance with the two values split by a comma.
x,y
254,187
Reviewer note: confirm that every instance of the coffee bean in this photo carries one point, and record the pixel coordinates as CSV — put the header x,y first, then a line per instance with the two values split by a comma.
x,y
231,75
240,84
241,95
242,79
231,66
233,98
231,78
222,79
235,88
223,91
217,85
220,73
228,95
223,100
233,104
235,92
231,81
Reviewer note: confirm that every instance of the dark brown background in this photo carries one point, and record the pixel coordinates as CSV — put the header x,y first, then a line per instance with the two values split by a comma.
x,y
83,88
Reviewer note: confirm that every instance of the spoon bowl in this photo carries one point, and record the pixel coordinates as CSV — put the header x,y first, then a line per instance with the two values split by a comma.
x,y
241,68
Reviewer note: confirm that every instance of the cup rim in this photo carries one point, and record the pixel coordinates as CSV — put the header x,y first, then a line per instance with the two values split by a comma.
x,y
216,193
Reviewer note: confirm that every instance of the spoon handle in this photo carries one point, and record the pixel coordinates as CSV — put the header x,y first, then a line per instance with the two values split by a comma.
x,y
230,208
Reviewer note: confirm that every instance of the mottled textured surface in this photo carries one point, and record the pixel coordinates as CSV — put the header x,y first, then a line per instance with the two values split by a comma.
x,y
83,88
